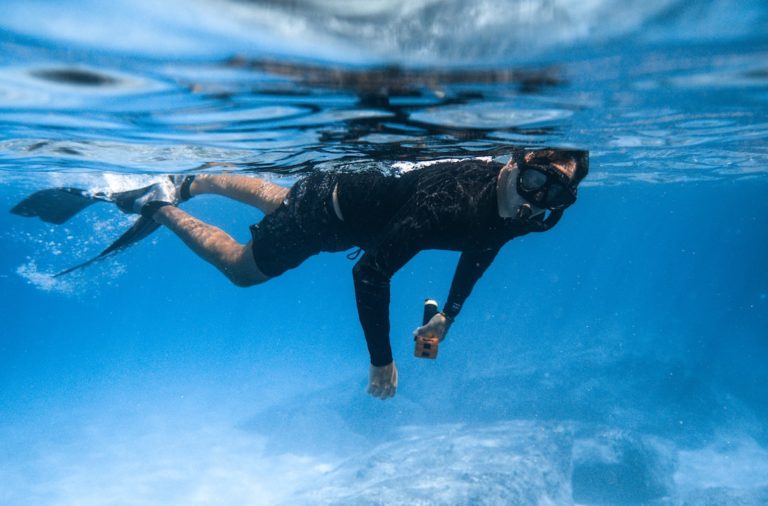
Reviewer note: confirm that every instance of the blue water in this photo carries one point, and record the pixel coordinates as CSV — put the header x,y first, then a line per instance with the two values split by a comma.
x,y
617,359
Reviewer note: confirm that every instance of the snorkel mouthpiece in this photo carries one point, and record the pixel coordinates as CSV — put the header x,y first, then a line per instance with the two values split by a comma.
x,y
524,212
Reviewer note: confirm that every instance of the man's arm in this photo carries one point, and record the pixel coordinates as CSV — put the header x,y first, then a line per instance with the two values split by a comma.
x,y
472,265
372,276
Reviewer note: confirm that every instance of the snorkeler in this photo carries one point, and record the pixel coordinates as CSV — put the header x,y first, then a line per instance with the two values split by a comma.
x,y
473,206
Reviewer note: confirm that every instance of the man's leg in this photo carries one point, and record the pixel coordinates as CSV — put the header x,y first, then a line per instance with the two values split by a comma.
x,y
213,245
250,190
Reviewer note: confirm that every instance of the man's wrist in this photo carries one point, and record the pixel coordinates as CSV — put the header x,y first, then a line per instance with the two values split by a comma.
x,y
451,310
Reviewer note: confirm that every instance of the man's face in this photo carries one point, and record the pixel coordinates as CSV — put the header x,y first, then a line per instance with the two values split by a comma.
x,y
547,183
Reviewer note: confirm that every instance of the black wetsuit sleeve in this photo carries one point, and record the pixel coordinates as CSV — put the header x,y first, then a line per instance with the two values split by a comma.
x,y
472,265
372,276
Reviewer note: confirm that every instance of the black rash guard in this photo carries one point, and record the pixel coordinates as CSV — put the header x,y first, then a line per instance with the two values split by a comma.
x,y
447,205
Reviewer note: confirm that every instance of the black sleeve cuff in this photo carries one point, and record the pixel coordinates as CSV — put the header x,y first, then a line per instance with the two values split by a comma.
x,y
451,310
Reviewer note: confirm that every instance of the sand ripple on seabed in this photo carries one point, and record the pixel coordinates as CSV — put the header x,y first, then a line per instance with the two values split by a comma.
x,y
531,463
508,463
512,462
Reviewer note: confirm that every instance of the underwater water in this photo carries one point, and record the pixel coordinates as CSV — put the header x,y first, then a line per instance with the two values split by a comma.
x,y
617,359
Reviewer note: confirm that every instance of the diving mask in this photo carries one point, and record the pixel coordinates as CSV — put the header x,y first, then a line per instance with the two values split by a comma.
x,y
544,186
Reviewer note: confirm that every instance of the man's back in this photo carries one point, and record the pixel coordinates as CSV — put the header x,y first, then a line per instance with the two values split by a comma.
x,y
447,205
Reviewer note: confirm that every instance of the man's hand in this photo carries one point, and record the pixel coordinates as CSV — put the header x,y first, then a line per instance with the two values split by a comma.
x,y
382,381
436,327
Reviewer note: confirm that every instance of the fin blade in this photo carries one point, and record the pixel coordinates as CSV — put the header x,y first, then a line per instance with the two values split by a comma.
x,y
56,205
138,231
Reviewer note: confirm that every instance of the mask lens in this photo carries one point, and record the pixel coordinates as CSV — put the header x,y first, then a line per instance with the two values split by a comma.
x,y
532,179
558,196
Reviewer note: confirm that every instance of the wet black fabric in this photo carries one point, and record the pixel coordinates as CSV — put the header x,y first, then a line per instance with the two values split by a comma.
x,y
450,206
303,225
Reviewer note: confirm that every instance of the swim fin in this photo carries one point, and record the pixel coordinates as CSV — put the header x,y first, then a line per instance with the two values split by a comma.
x,y
57,205
140,229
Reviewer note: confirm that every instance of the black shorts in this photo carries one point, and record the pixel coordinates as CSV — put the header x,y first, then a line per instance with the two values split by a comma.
x,y
305,224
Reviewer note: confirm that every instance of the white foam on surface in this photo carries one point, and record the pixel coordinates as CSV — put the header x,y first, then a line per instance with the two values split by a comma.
x,y
409,166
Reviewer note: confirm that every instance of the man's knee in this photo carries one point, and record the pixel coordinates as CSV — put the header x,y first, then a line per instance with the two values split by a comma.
x,y
239,280
245,279
242,270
